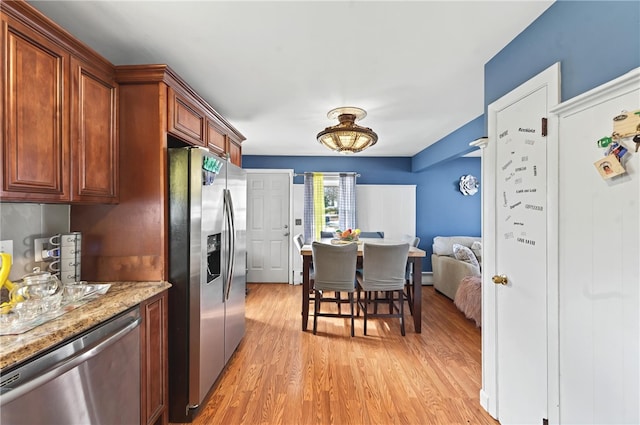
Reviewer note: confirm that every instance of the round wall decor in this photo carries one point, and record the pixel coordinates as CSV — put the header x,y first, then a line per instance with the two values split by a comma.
x,y
468,185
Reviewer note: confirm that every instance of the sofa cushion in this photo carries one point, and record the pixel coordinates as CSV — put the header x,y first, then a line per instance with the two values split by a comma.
x,y
464,253
443,245
476,247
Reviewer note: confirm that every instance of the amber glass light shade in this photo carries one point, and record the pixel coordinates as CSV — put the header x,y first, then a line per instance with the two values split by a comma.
x,y
347,137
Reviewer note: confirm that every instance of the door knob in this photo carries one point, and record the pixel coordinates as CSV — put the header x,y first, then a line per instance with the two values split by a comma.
x,y
500,280
286,233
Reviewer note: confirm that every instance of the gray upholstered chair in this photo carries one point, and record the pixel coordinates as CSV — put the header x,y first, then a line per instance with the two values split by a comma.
x,y
382,280
335,270
298,240
372,235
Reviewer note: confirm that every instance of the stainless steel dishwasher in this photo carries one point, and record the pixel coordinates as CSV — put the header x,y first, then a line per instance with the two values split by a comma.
x,y
93,379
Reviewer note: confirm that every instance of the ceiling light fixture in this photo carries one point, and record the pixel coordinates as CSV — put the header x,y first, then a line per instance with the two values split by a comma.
x,y
347,137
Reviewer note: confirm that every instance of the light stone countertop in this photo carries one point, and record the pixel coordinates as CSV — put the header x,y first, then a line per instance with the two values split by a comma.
x,y
120,297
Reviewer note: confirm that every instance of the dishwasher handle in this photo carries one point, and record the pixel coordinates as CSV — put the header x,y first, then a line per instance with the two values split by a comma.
x,y
69,363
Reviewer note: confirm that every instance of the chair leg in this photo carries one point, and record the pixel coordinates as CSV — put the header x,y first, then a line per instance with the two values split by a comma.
x,y
339,303
352,321
316,310
409,292
376,295
367,299
401,300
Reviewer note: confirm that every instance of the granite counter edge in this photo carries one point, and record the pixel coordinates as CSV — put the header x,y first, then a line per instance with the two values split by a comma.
x,y
121,296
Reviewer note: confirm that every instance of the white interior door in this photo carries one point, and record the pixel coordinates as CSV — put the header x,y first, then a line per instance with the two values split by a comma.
x,y
519,224
268,227
599,271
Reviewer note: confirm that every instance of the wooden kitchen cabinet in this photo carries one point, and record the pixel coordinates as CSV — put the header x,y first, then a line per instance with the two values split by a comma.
x,y
221,142
59,129
154,361
190,120
36,143
235,153
94,147
216,140
185,120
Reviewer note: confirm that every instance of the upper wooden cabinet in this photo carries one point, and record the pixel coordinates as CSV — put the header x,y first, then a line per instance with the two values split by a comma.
x,y
185,119
94,137
59,129
36,142
235,153
224,142
216,140
190,118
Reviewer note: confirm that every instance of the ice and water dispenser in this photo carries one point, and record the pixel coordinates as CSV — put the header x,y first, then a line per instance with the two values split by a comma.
x,y
213,256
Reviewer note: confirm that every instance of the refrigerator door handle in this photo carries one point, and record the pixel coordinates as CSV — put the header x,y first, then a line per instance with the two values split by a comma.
x,y
228,244
232,269
231,240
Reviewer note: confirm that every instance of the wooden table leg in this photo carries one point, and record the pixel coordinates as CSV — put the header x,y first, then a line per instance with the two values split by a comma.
x,y
306,266
417,294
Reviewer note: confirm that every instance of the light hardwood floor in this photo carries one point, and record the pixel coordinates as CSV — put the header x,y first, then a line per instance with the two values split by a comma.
x,y
281,375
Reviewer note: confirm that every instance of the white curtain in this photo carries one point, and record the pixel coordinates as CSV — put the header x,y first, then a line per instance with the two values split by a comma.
x,y
347,201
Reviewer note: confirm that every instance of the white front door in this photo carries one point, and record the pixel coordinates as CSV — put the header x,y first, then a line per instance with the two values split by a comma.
x,y
517,249
268,227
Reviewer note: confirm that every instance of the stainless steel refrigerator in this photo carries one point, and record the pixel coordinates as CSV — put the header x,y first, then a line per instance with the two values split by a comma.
x,y
207,268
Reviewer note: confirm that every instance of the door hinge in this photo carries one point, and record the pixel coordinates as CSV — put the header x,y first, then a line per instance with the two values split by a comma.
x,y
544,127
545,421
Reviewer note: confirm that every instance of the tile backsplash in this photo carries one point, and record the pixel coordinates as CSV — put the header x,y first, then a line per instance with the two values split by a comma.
x,y
22,223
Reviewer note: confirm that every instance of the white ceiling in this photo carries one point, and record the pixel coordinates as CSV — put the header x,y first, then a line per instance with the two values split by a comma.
x,y
274,69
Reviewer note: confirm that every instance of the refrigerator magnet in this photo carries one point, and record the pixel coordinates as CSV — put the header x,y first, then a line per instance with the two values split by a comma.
x,y
609,166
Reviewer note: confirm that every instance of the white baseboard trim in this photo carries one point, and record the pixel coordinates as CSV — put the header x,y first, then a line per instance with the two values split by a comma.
x,y
484,402
427,278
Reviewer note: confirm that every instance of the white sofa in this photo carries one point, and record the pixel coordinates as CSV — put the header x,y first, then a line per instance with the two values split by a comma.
x,y
449,271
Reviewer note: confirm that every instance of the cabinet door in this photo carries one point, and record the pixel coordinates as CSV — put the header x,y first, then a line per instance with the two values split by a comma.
x,y
154,364
185,120
216,141
94,138
36,119
235,153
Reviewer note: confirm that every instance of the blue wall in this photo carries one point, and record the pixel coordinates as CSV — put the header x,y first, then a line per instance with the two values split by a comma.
x,y
449,147
372,170
595,41
441,209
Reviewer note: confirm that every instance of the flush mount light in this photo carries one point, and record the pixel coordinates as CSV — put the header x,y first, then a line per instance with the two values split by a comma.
x,y
347,137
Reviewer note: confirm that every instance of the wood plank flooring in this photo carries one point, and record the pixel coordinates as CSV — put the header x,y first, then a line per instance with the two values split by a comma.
x,y
281,375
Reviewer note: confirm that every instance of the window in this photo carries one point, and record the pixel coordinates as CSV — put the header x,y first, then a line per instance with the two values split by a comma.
x,y
329,203
331,210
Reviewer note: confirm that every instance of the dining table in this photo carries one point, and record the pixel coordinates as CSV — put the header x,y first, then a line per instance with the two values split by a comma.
x,y
415,257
